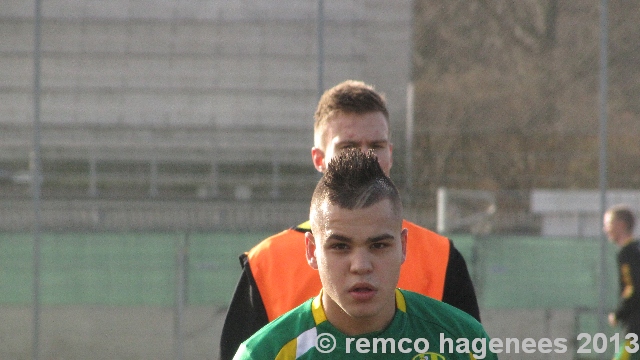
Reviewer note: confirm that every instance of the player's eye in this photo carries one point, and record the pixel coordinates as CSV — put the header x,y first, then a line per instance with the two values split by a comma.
x,y
348,146
339,246
379,245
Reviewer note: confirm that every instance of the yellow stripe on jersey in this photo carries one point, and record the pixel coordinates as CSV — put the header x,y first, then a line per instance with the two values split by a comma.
x,y
288,351
319,315
306,226
400,303
316,309
623,354
298,346
625,271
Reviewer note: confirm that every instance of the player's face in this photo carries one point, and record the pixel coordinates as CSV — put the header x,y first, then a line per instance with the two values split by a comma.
x,y
612,227
368,131
607,226
358,254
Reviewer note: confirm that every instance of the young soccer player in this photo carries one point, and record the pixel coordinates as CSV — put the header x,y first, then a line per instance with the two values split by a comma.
x,y
275,277
357,245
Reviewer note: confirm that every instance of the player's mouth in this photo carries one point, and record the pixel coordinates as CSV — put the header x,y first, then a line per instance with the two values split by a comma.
x,y
362,291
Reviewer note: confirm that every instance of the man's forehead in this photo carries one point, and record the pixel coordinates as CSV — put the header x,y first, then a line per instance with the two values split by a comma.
x,y
327,218
337,124
340,121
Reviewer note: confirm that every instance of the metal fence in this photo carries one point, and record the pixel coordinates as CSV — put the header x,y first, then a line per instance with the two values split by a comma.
x,y
163,294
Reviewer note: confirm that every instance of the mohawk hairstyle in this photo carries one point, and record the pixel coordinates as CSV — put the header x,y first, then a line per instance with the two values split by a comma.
x,y
355,180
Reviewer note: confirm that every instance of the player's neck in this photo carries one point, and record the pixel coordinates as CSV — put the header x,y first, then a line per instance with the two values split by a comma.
x,y
625,241
356,325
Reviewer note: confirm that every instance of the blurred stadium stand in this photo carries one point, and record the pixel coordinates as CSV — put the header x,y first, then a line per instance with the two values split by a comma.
x,y
185,100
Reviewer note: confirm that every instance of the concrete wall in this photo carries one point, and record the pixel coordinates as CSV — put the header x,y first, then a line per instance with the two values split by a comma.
x,y
216,64
216,83
577,212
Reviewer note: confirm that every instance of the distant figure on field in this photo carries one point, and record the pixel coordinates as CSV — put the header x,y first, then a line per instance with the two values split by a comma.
x,y
618,224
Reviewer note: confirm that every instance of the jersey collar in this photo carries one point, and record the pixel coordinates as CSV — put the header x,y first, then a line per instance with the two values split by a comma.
x,y
319,315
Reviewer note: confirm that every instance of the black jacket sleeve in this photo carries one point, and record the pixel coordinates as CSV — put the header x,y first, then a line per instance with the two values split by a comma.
x,y
246,313
628,310
458,288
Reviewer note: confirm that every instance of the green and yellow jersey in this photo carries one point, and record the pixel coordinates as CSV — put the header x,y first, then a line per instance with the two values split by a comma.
x,y
422,328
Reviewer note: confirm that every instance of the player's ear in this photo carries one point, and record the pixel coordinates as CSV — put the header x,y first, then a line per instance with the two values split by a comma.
x,y
310,244
317,155
403,240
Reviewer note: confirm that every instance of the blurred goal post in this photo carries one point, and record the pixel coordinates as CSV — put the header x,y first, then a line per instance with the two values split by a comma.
x,y
465,210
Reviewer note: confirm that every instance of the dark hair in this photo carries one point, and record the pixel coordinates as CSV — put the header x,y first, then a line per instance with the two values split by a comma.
x,y
624,214
355,180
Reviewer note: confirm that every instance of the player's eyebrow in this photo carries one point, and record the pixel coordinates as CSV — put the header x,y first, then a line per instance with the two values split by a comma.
x,y
381,237
354,143
338,237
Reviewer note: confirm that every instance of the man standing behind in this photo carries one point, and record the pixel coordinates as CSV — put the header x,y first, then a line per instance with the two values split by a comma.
x,y
357,246
618,225
276,277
